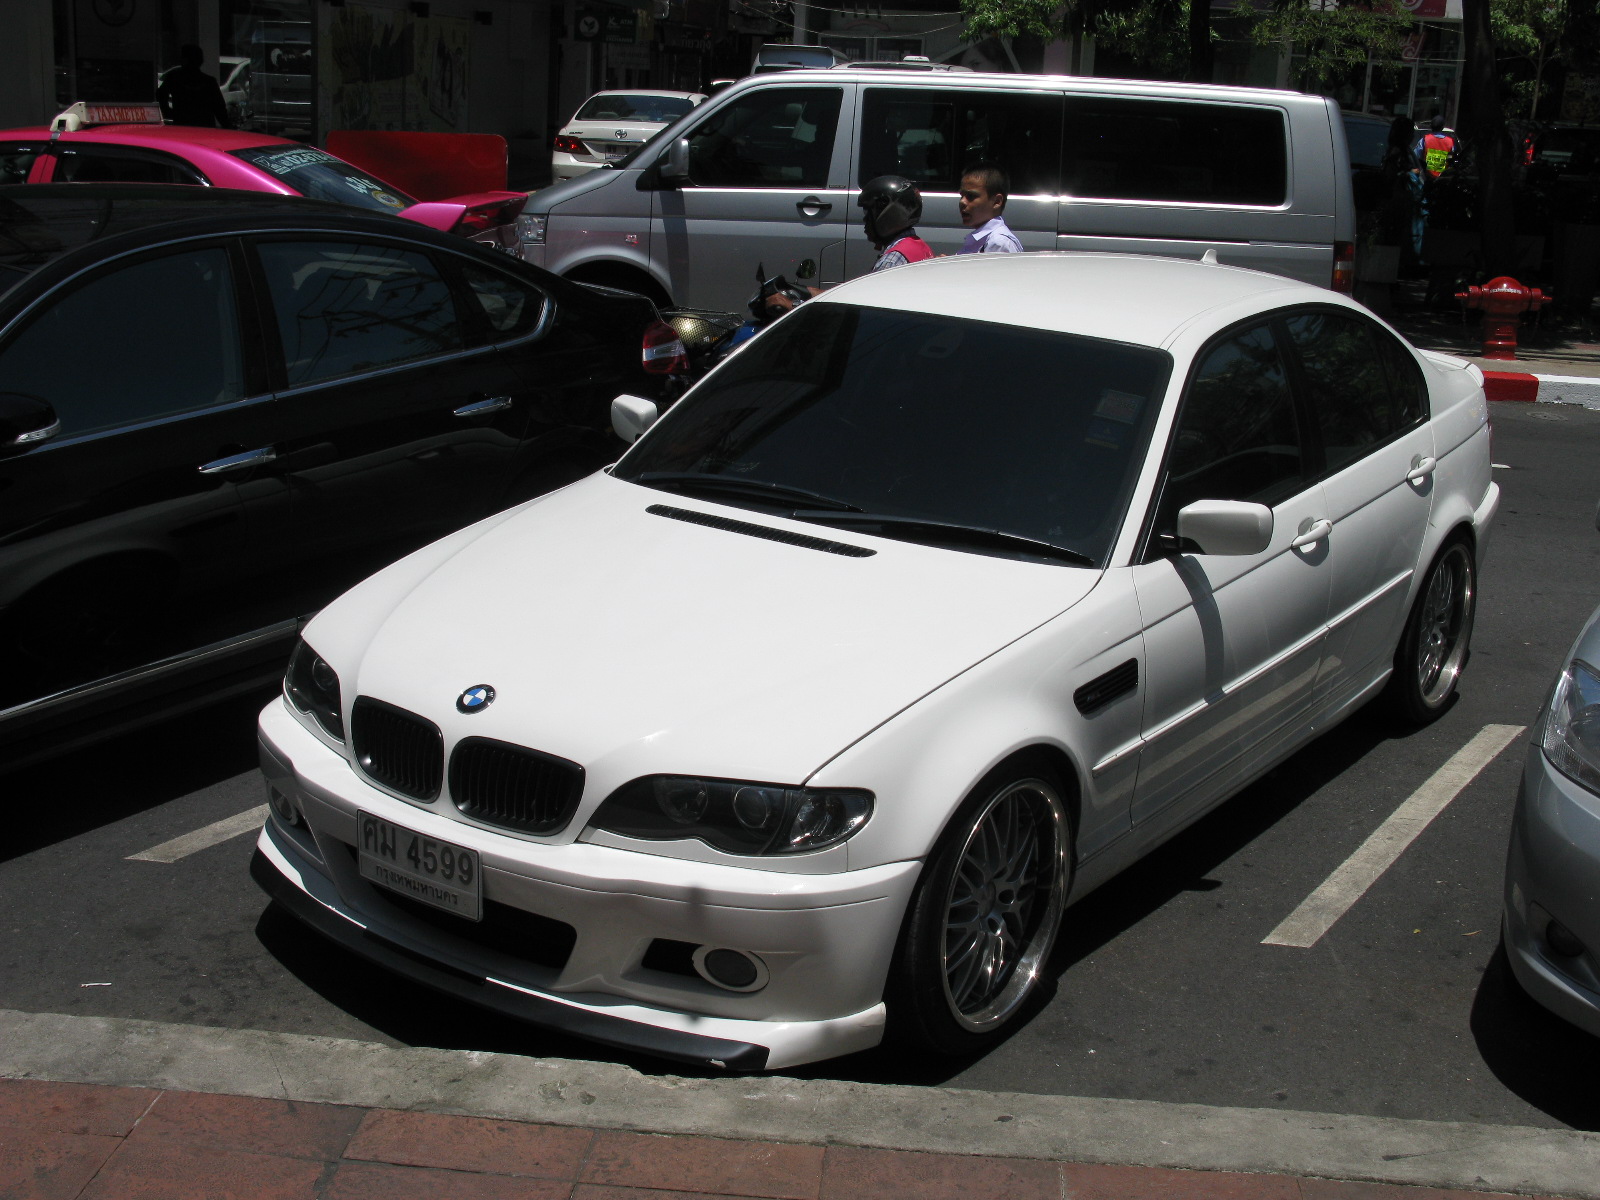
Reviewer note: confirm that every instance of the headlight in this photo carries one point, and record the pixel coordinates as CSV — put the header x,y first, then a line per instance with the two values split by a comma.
x,y
531,228
733,816
1572,728
313,688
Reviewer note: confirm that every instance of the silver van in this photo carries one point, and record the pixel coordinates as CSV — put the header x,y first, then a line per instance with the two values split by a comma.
x,y
767,172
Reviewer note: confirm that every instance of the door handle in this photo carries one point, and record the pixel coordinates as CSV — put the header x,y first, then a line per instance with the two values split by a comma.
x,y
478,407
1421,468
235,462
1312,532
813,206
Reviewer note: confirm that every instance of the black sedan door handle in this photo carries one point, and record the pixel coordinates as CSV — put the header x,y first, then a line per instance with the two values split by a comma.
x,y
478,407
236,462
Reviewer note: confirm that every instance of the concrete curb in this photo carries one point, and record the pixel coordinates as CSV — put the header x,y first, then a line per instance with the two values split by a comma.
x,y
1543,389
119,1051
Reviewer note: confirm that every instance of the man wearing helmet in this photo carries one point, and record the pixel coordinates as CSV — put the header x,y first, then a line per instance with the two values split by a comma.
x,y
893,206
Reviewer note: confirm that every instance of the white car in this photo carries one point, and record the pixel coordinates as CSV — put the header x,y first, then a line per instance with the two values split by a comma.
x,y
937,604
610,125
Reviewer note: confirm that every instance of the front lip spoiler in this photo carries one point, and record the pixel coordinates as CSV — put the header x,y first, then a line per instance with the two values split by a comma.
x,y
475,989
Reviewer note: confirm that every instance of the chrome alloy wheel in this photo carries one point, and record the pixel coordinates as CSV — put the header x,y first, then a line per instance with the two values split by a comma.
x,y
1444,625
1004,904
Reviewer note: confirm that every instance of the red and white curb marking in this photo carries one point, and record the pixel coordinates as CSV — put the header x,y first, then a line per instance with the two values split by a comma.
x,y
1544,389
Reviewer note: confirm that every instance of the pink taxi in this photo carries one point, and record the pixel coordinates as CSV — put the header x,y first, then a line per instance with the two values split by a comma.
x,y
127,143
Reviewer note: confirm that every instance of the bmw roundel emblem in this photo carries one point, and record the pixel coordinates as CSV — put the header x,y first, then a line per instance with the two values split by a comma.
x,y
475,699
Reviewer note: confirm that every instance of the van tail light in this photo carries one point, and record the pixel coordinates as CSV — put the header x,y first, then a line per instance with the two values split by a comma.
x,y
1344,267
569,145
663,352
476,218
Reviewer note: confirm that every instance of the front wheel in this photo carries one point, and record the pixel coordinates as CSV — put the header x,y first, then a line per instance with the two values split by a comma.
x,y
984,916
1433,646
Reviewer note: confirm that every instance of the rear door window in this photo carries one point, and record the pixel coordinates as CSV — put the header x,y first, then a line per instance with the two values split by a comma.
x,y
344,308
152,339
930,136
1122,149
16,162
118,164
770,138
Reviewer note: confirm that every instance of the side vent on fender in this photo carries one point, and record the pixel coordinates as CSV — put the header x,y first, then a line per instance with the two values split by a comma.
x,y
1097,693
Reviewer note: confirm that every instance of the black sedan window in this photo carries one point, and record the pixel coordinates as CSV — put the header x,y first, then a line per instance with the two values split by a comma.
x,y
149,340
344,308
1025,432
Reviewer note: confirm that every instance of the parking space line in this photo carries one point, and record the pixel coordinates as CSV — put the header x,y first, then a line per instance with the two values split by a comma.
x,y
1334,897
202,839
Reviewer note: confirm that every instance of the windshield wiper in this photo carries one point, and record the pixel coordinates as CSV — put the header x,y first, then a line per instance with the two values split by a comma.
x,y
948,532
695,481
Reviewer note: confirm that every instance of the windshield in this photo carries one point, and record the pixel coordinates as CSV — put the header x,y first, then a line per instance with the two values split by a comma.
x,y
321,176
657,109
991,427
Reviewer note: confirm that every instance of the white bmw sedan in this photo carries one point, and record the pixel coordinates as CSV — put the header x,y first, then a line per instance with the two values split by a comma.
x,y
935,606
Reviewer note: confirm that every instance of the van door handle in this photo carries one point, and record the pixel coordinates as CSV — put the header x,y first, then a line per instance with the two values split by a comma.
x,y
1421,468
478,407
813,206
235,462
1312,532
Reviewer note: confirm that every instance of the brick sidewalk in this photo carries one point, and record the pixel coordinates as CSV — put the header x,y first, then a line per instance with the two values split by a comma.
x,y
59,1141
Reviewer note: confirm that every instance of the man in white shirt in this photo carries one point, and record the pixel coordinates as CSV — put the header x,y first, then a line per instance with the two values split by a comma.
x,y
983,200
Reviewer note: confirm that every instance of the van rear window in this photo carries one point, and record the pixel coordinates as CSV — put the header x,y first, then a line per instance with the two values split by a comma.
x,y
1118,149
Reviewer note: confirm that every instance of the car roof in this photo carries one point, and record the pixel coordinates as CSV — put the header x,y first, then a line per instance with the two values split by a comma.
x,y
1134,298
43,222
1094,84
647,92
171,138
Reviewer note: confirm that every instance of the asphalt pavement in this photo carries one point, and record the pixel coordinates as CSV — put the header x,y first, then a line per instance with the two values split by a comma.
x,y
1162,989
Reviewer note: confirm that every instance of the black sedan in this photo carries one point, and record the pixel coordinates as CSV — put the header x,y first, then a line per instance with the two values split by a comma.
x,y
220,410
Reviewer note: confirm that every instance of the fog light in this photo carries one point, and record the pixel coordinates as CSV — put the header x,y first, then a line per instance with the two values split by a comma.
x,y
731,969
1562,941
283,808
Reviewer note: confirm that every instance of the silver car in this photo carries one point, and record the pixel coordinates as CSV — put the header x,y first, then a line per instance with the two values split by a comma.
x,y
1552,921
611,124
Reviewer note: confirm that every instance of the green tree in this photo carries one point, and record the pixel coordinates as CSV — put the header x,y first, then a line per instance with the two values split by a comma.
x,y
1533,35
1330,39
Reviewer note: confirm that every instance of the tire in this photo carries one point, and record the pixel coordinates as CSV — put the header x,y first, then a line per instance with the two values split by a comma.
x,y
983,919
1433,647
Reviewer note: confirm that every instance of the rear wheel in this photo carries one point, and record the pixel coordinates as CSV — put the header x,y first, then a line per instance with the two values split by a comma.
x,y
985,914
1433,648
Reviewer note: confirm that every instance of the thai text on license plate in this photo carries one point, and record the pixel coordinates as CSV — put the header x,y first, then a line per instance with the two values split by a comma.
x,y
428,870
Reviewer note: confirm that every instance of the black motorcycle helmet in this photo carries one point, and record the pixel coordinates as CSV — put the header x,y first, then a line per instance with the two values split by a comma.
x,y
893,205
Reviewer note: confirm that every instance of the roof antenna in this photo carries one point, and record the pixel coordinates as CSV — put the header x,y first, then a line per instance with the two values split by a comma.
x,y
1210,256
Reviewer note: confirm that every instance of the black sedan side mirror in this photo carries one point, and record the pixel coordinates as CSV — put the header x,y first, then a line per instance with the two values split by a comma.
x,y
24,420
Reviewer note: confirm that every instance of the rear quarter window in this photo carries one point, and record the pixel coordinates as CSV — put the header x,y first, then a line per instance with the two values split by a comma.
x,y
1129,149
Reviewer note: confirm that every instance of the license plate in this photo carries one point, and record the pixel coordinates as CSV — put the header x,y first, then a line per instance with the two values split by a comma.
x,y
617,151
434,872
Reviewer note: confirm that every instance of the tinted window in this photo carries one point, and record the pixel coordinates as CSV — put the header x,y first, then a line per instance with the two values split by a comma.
x,y
1237,437
633,108
15,162
1034,433
511,308
344,308
109,166
931,136
321,176
1165,150
778,137
150,340
1348,387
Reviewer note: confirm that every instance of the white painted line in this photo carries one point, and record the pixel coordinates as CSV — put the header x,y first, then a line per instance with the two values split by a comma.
x,y
203,839
1350,880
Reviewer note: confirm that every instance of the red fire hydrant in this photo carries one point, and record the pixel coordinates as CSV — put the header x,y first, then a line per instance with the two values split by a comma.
x,y
1503,301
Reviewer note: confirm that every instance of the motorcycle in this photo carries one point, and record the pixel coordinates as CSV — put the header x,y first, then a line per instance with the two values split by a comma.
x,y
709,336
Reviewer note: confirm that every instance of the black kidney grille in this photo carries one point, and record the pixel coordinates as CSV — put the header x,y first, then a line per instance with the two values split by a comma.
x,y
514,787
398,749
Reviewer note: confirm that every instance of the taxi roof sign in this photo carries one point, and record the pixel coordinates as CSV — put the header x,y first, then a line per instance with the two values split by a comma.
x,y
84,113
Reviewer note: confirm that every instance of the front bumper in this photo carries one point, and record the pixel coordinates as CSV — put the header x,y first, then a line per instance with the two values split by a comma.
x,y
1553,871
825,939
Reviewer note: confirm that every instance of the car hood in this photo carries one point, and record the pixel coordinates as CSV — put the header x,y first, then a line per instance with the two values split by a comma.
x,y
634,642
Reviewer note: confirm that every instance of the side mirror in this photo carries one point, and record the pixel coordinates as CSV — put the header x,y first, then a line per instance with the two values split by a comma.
x,y
632,415
673,168
24,420
1226,526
